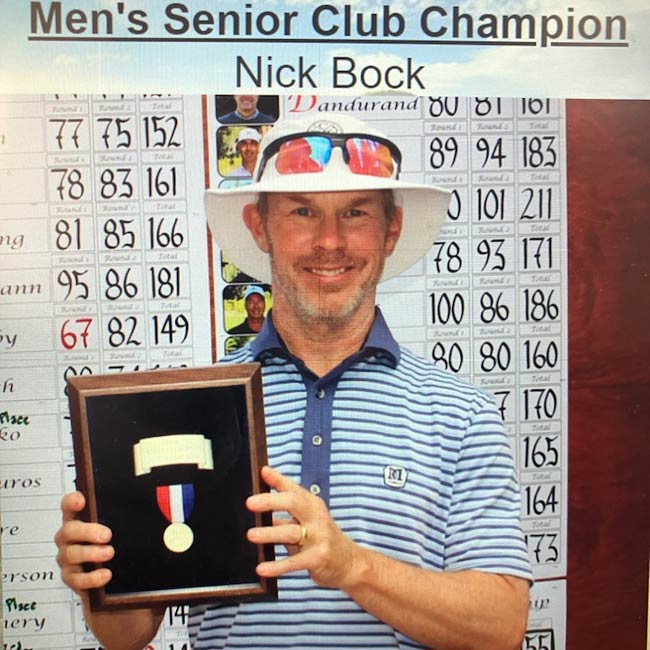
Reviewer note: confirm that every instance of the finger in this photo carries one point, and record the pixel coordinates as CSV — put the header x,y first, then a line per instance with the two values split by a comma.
x,y
278,481
81,581
81,532
287,534
298,562
274,501
71,555
71,504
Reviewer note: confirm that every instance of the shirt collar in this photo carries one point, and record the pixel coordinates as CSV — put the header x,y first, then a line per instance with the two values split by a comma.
x,y
379,341
250,118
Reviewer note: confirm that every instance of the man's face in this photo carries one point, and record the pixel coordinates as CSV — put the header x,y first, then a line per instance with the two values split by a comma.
x,y
248,150
327,251
246,104
255,306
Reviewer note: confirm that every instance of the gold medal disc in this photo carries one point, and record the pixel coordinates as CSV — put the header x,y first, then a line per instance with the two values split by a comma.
x,y
178,537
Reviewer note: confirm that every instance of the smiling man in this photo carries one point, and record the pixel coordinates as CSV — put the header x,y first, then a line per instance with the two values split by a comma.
x,y
330,288
247,145
255,306
393,482
246,112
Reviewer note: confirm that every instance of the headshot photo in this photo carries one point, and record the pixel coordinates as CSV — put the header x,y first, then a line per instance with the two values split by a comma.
x,y
237,151
247,109
245,308
248,146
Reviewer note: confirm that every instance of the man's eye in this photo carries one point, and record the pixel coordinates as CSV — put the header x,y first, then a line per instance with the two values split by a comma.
x,y
355,212
302,212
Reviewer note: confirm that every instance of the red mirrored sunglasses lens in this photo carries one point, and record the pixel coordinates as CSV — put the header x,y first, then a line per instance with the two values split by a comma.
x,y
369,157
303,156
311,154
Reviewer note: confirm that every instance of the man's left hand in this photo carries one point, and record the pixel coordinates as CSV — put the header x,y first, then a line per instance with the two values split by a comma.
x,y
314,542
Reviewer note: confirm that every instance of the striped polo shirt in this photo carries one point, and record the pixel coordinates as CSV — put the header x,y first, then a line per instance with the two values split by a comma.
x,y
411,462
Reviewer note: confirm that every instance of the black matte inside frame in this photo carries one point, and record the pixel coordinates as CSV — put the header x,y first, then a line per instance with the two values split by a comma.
x,y
217,408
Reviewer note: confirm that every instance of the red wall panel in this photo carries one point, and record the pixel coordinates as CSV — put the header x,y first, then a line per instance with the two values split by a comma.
x,y
608,169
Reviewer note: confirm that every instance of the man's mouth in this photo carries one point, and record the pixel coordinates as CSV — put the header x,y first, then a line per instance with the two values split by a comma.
x,y
329,273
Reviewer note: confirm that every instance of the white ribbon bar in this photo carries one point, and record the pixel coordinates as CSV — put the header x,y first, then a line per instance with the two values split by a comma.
x,y
172,450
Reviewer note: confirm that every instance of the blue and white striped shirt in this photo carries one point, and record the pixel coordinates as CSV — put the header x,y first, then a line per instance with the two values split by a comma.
x,y
411,461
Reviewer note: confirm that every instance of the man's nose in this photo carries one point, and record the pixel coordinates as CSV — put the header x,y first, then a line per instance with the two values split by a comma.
x,y
329,232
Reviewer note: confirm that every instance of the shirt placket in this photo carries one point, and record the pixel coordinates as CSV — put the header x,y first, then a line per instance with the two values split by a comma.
x,y
317,436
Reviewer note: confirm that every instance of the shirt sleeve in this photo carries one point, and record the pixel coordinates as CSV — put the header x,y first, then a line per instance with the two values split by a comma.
x,y
483,528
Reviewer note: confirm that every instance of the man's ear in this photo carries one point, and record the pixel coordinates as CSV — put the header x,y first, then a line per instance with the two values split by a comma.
x,y
393,231
253,220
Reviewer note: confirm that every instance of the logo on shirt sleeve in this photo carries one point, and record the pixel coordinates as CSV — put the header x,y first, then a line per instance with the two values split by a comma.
x,y
395,476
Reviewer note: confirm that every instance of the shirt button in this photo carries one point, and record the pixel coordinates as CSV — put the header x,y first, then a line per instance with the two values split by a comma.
x,y
316,440
320,393
314,488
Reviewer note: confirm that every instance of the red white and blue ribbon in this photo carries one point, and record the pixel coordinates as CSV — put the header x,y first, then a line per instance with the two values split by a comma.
x,y
176,502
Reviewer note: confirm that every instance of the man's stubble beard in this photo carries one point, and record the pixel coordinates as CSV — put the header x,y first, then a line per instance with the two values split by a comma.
x,y
323,314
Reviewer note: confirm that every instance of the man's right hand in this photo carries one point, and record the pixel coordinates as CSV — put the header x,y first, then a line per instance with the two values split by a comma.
x,y
80,542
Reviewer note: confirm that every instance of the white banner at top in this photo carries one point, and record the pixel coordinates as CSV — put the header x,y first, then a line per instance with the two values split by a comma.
x,y
536,48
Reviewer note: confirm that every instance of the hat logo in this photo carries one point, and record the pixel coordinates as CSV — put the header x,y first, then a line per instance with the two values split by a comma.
x,y
326,126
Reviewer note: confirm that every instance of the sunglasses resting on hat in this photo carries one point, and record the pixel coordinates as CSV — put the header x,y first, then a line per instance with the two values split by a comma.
x,y
309,152
326,152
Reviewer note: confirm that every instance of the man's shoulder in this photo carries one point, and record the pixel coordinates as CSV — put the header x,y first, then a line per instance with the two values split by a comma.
x,y
234,118
263,118
239,172
423,375
230,118
242,328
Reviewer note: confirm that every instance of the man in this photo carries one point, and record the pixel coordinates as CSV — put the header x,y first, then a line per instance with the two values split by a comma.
x,y
246,112
248,146
255,305
396,477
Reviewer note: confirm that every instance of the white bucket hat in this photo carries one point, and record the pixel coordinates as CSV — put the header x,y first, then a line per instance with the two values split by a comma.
x,y
424,206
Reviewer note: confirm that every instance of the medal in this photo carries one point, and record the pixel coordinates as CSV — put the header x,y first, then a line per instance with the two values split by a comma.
x,y
176,502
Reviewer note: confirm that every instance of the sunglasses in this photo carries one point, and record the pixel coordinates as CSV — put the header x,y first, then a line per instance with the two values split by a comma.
x,y
306,153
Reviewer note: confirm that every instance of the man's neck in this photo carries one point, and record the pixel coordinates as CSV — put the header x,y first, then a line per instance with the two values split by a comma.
x,y
323,345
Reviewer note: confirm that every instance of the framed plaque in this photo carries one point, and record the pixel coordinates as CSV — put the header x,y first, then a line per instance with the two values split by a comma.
x,y
166,460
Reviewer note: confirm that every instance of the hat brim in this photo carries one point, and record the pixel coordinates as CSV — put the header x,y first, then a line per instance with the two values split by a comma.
x,y
424,210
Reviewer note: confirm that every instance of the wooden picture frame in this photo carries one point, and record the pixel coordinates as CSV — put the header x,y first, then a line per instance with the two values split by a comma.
x,y
166,459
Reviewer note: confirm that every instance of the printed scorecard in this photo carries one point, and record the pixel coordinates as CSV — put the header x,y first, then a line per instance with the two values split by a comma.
x,y
106,266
